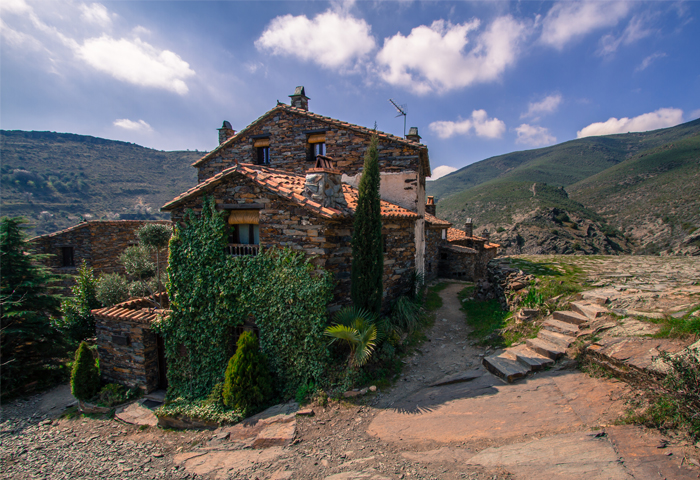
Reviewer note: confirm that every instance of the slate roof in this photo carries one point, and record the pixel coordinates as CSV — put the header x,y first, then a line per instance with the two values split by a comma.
x,y
290,186
138,310
436,222
454,234
321,118
89,223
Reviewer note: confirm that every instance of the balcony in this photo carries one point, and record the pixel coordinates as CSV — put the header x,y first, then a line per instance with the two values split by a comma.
x,y
239,249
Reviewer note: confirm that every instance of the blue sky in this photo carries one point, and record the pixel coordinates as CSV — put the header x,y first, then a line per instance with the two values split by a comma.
x,y
478,78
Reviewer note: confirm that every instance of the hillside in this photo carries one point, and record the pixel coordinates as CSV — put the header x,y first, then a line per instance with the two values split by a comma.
x,y
55,179
633,192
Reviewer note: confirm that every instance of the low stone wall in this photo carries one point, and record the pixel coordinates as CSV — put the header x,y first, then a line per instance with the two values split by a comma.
x,y
128,354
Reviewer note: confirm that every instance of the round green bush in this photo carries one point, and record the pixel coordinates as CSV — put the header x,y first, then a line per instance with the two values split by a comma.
x,y
247,382
85,376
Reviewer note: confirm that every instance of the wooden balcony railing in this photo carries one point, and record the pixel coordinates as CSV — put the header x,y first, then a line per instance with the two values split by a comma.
x,y
237,249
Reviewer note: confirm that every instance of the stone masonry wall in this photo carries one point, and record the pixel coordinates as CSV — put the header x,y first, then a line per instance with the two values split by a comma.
x,y
134,364
465,265
97,243
288,148
285,224
433,241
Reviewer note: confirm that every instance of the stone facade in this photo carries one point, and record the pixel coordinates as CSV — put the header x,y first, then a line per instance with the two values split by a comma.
x,y
97,243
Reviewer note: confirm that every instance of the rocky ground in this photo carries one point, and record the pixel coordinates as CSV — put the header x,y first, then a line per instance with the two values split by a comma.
x,y
445,418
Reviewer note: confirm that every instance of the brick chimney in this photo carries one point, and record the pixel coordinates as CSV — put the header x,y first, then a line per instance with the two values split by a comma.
x,y
225,132
430,206
469,227
324,183
413,135
299,99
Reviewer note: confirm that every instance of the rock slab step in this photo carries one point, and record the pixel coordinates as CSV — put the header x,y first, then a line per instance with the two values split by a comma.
x,y
570,317
545,348
457,378
529,358
507,368
588,310
560,327
556,338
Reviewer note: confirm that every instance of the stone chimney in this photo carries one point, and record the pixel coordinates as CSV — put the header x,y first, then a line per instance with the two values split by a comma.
x,y
299,99
324,184
430,206
485,234
469,227
413,135
225,132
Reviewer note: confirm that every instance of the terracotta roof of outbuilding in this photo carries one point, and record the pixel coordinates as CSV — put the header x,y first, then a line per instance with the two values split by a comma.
x,y
437,222
139,310
289,186
454,234
315,116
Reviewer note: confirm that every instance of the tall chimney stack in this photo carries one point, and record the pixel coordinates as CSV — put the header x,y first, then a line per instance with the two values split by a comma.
x,y
430,206
412,135
225,132
299,98
469,227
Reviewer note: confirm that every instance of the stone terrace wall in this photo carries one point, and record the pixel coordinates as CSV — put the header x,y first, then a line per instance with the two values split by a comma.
x,y
97,243
465,265
288,148
134,364
285,224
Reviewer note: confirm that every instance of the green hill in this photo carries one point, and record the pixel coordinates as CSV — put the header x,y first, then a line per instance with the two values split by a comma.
x,y
613,180
55,179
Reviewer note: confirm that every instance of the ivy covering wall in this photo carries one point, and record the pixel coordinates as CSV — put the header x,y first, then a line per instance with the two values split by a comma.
x,y
211,292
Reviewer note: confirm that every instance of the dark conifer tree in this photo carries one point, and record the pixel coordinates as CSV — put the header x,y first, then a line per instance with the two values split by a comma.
x,y
247,381
30,347
367,245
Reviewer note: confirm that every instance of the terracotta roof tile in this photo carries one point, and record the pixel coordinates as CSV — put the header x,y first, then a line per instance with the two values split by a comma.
x,y
433,220
138,310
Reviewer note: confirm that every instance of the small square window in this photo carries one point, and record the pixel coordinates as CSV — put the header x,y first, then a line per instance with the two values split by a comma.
x,y
68,258
263,155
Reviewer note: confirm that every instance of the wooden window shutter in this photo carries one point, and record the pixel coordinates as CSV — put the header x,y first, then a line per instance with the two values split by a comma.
x,y
317,138
262,142
241,217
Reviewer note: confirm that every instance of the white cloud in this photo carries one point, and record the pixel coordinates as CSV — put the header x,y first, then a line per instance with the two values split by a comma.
x,y
441,171
549,104
433,58
534,135
479,123
648,61
662,118
137,62
333,40
567,21
127,124
635,30
65,31
95,13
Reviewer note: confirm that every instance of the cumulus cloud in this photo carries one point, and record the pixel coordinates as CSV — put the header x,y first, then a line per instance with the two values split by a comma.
x,y
549,104
441,171
648,61
137,62
662,118
435,58
126,124
479,122
334,40
53,30
567,21
534,135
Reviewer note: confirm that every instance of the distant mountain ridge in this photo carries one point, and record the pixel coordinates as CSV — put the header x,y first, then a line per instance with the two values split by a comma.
x,y
56,179
613,179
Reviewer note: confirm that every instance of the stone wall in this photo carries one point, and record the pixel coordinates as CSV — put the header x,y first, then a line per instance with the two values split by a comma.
x,y
464,263
128,353
433,241
97,243
283,223
289,147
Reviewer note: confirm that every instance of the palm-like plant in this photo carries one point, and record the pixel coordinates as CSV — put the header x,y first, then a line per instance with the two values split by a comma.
x,y
357,328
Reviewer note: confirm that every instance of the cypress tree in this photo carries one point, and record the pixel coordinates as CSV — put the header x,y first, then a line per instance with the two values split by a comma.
x,y
85,377
367,245
31,348
247,382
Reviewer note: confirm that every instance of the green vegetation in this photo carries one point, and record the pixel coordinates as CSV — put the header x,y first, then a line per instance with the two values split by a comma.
x,y
558,275
211,293
112,288
77,322
247,381
357,328
113,394
54,179
367,242
433,301
155,237
209,409
672,327
486,318
85,376
31,347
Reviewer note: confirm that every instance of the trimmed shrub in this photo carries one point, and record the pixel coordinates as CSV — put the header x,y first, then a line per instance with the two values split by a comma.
x,y
85,377
247,383
112,288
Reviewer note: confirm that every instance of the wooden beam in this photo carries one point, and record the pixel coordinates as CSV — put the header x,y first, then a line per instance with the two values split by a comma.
x,y
240,206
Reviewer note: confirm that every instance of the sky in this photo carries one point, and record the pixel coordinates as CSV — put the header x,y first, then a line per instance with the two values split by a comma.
x,y
478,79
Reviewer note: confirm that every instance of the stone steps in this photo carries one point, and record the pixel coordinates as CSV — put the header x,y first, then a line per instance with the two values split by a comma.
x,y
545,348
570,317
533,360
505,366
556,338
561,327
588,310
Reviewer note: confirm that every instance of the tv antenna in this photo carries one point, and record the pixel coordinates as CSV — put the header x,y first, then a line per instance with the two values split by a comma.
x,y
402,111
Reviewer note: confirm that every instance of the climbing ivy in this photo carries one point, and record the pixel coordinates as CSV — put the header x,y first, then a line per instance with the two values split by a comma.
x,y
211,292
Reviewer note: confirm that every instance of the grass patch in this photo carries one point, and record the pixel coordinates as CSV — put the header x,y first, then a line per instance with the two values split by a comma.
x,y
486,318
432,298
677,327
558,277
206,409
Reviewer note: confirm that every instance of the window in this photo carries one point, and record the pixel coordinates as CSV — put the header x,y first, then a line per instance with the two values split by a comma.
x,y
68,259
319,149
317,145
244,234
263,155
444,234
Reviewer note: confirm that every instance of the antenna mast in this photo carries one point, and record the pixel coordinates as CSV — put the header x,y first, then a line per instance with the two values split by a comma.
x,y
402,111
